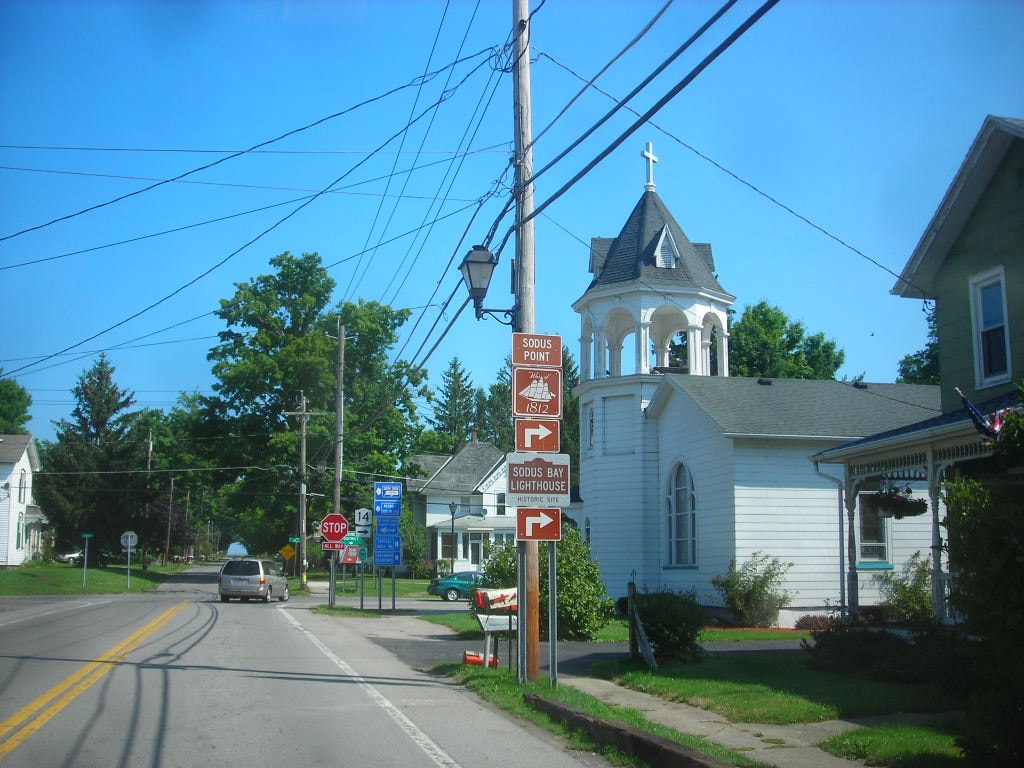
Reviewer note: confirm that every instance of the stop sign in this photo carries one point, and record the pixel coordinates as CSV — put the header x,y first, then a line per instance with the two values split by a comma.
x,y
334,527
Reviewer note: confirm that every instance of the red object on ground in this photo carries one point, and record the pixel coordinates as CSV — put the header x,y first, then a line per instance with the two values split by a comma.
x,y
477,659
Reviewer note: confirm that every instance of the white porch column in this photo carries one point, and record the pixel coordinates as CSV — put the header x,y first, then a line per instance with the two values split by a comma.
x,y
587,356
643,342
723,354
693,350
600,353
615,359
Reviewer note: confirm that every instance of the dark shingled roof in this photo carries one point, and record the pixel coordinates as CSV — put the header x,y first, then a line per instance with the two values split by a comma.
x,y
808,407
463,473
631,256
13,447
427,464
961,417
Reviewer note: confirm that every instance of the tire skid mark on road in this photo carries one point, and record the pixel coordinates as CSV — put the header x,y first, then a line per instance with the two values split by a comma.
x,y
33,716
421,739
71,607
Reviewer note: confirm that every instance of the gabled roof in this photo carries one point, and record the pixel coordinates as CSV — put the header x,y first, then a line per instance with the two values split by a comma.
x,y
13,447
428,465
971,181
463,472
804,408
632,256
951,422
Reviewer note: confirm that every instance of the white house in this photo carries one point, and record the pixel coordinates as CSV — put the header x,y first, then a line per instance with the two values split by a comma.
x,y
461,501
683,469
21,521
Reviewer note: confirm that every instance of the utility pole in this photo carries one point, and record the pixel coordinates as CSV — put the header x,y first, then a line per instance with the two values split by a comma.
x,y
303,415
339,450
525,289
170,511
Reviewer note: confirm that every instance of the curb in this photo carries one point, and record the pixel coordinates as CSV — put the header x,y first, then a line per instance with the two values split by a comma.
x,y
648,747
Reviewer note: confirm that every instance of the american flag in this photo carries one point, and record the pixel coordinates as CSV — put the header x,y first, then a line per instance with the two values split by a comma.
x,y
989,425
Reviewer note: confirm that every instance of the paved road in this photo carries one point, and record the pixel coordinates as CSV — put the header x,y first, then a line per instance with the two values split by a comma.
x,y
176,678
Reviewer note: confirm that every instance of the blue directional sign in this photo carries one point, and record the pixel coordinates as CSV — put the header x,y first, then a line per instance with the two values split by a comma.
x,y
387,491
387,550
387,526
387,559
387,508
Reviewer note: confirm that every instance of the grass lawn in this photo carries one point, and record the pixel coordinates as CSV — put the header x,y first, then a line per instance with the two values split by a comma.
x,y
501,687
774,689
62,579
351,584
617,631
899,746
748,688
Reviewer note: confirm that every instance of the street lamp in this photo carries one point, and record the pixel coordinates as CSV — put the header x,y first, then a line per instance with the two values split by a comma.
x,y
453,508
477,269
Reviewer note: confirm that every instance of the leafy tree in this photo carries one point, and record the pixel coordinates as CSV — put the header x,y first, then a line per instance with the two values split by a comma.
x,y
765,342
922,367
278,354
93,478
14,404
985,525
454,407
583,608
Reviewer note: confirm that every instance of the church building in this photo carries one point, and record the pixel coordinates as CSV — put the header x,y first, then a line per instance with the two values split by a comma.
x,y
684,468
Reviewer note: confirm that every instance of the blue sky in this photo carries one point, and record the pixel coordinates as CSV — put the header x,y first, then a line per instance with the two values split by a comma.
x,y
856,115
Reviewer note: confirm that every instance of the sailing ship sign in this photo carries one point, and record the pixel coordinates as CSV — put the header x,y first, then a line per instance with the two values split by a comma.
x,y
537,392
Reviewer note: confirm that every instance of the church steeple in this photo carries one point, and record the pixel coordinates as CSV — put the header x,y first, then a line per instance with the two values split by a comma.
x,y
652,282
648,154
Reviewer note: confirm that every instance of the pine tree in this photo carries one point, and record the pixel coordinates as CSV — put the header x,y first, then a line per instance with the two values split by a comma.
x,y
455,406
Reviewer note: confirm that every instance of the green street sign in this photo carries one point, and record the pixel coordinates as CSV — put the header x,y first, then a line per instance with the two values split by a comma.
x,y
86,535
353,541
295,539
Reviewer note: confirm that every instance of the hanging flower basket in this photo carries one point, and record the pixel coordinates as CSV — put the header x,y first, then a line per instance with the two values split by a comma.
x,y
899,504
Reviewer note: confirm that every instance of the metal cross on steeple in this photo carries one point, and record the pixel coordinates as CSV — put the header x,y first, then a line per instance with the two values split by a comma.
x,y
648,154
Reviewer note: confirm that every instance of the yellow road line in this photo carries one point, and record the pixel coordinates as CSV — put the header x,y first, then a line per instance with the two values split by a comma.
x,y
38,713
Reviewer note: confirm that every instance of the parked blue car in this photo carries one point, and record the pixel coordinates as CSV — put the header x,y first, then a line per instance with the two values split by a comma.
x,y
458,586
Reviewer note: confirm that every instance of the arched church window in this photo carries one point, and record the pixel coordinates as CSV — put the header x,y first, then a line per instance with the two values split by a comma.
x,y
682,518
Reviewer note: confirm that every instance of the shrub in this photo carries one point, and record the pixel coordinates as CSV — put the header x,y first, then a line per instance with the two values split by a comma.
x,y
583,608
845,648
673,622
908,594
813,623
985,527
938,656
754,591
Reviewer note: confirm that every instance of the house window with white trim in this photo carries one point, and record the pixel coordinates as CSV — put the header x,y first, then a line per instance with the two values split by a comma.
x,y
682,519
501,504
873,532
988,320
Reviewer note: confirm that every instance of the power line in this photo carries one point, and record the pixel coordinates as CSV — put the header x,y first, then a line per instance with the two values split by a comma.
x,y
238,250
643,84
671,94
238,154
